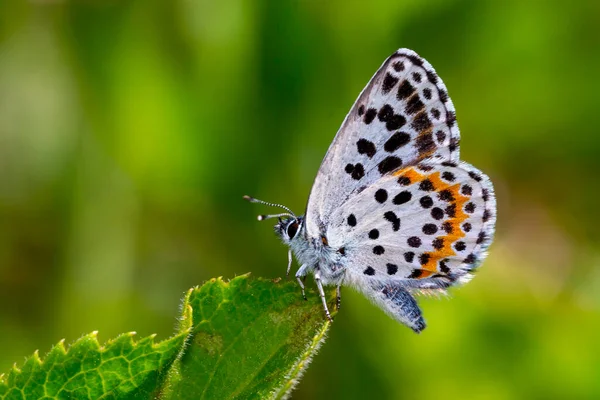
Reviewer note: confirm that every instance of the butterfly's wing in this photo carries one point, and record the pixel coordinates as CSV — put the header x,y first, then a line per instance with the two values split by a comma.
x,y
402,117
418,228
428,226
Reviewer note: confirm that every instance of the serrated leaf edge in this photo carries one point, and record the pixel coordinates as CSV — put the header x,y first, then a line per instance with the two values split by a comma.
x,y
293,376
60,350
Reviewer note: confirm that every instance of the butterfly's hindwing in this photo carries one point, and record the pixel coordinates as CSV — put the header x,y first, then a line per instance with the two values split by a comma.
x,y
402,117
427,226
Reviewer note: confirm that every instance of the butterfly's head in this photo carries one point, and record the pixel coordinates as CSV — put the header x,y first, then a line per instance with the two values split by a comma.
x,y
288,228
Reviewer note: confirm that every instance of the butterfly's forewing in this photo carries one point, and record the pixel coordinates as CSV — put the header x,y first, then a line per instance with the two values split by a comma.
x,y
427,226
402,117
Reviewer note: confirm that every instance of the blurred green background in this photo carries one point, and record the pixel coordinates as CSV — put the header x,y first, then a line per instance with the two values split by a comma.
x,y
129,131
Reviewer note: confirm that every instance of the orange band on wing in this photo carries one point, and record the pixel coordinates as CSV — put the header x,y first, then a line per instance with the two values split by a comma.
x,y
451,225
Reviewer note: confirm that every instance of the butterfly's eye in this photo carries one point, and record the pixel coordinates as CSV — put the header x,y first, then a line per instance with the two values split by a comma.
x,y
292,229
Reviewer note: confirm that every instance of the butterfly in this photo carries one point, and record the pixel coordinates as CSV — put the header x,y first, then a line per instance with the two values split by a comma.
x,y
393,210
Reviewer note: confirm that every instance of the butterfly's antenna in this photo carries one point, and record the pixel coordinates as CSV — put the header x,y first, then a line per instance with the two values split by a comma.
x,y
289,212
263,217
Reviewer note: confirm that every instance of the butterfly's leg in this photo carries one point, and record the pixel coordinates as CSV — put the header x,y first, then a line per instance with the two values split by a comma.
x,y
289,263
338,297
300,276
322,294
302,287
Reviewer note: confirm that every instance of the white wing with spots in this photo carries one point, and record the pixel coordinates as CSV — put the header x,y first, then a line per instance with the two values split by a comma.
x,y
428,226
403,116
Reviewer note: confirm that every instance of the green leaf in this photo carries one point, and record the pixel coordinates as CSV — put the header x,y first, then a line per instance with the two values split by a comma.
x,y
249,338
120,369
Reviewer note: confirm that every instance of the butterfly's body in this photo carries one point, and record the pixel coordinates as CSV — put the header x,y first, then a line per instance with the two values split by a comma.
x,y
393,210
315,255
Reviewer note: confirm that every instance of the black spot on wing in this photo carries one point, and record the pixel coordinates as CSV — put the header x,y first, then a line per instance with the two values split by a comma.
x,y
426,185
381,195
486,215
450,118
430,229
392,269
437,213
396,121
451,210
446,195
402,197
405,90
398,66
373,234
438,243
416,60
460,246
367,147
393,218
414,105
404,180
443,96
396,141
485,194
433,78
440,136
385,113
449,163
426,202
453,144
415,273
351,220
370,115
475,176
470,259
481,237
444,266
425,143
414,241
388,83
448,176
356,171
421,122
389,164
447,227
470,207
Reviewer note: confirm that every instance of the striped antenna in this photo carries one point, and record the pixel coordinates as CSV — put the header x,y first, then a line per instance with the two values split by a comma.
x,y
266,203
